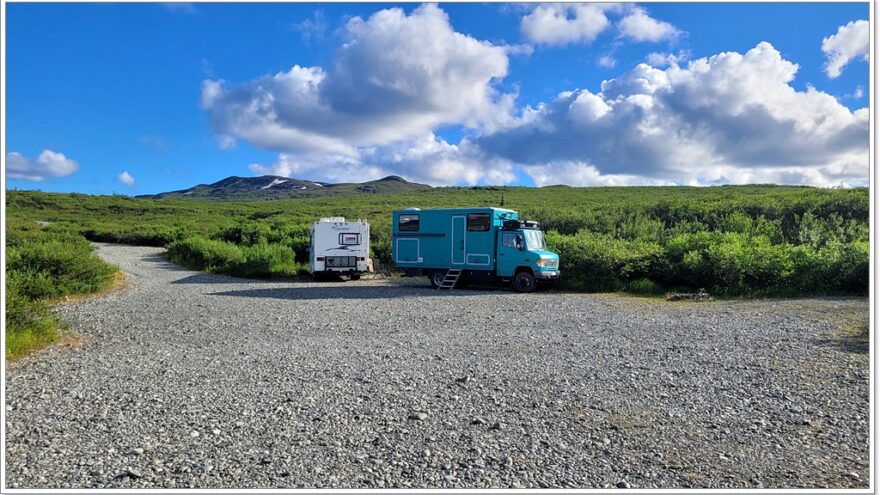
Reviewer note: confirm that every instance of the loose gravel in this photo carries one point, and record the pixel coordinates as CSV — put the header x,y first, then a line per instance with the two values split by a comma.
x,y
192,380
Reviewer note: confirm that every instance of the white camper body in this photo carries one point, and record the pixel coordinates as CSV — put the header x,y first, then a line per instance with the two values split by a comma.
x,y
339,247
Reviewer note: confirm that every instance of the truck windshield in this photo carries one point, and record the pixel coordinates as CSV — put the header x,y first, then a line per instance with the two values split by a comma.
x,y
534,239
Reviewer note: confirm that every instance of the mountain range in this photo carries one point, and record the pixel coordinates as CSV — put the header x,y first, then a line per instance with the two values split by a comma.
x,y
276,187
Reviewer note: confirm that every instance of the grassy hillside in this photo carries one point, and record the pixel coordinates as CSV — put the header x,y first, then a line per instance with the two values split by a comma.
x,y
730,240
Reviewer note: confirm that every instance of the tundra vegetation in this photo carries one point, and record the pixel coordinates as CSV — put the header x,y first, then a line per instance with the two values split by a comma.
x,y
44,266
733,241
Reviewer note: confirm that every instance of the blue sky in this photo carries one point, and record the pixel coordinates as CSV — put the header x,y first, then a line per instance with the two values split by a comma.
x,y
499,95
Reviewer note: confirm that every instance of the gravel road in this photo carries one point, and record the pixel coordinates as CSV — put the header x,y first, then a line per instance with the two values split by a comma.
x,y
192,380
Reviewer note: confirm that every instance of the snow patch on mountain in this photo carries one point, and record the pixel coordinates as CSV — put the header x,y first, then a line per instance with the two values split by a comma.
x,y
274,182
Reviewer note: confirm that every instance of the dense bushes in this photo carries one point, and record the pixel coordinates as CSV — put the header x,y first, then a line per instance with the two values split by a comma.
x,y
41,266
598,262
50,268
144,237
29,324
729,263
261,260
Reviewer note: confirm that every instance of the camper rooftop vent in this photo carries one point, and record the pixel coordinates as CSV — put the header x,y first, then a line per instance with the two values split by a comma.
x,y
332,220
412,209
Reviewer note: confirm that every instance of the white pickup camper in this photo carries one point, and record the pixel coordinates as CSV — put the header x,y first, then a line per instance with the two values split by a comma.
x,y
339,248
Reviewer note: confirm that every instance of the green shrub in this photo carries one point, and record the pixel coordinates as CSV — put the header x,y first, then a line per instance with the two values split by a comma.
x,y
299,241
598,262
736,222
740,264
43,264
50,268
152,237
257,261
20,232
833,269
854,269
29,324
206,254
266,260
249,234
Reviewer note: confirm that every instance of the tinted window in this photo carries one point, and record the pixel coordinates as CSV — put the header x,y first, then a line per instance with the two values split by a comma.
x,y
477,222
408,223
509,240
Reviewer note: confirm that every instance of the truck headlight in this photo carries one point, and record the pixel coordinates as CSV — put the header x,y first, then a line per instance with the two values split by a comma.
x,y
548,263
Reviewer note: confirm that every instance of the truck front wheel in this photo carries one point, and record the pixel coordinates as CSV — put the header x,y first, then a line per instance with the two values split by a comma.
x,y
524,282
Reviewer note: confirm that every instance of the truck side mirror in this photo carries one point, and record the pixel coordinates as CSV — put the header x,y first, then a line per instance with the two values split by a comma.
x,y
519,243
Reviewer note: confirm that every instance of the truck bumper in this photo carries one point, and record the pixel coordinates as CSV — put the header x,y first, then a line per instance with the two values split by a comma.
x,y
547,274
360,267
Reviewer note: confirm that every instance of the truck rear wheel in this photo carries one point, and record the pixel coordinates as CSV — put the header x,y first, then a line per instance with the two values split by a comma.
x,y
354,276
437,277
524,281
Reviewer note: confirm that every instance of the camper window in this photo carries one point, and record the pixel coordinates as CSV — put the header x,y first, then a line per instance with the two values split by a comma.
x,y
478,222
349,239
408,223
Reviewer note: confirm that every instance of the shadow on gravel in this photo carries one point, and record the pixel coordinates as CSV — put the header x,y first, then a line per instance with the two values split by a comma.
x,y
204,278
848,344
210,278
354,292
161,262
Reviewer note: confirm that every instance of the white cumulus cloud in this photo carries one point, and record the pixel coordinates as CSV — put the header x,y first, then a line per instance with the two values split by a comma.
x,y
639,26
48,164
849,43
606,61
426,158
395,77
125,178
568,23
729,118
397,80
564,23
657,59
574,173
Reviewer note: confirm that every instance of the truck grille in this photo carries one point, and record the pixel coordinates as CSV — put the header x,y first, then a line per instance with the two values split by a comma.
x,y
340,261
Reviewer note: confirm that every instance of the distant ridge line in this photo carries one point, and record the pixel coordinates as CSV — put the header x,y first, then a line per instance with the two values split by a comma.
x,y
278,187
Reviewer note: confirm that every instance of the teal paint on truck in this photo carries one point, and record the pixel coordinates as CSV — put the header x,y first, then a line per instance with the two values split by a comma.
x,y
475,240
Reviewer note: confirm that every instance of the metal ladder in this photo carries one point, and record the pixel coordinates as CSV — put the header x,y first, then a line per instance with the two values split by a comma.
x,y
450,279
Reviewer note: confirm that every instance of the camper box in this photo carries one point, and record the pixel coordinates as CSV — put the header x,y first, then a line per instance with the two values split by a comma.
x,y
339,248
472,244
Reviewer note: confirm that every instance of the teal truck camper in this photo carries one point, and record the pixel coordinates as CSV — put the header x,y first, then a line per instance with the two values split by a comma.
x,y
477,244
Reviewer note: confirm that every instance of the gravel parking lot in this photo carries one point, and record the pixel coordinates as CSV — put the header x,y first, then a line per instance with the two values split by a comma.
x,y
190,380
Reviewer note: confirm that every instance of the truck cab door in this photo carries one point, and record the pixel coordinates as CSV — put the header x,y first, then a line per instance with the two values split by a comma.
x,y
511,253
